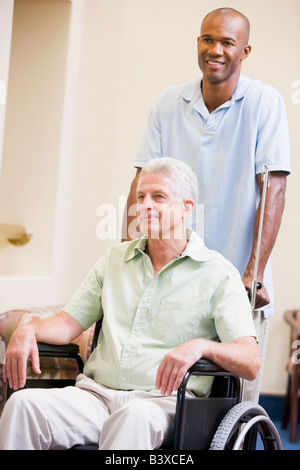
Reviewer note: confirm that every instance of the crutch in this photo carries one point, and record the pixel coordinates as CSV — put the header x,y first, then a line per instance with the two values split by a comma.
x,y
266,179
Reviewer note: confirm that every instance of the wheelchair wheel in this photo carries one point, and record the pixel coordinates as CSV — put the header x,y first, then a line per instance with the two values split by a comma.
x,y
242,425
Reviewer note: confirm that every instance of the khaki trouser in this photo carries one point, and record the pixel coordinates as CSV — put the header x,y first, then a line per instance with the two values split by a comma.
x,y
88,413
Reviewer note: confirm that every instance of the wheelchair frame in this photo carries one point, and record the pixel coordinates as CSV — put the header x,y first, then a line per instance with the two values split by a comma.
x,y
227,422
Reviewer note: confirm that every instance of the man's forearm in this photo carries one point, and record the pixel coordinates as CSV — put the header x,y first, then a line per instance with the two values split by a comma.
x,y
274,207
60,329
240,357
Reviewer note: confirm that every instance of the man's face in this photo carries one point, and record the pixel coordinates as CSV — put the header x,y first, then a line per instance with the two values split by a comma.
x,y
160,213
222,47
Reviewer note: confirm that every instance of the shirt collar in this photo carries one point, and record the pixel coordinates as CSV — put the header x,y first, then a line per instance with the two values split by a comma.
x,y
135,247
191,92
195,248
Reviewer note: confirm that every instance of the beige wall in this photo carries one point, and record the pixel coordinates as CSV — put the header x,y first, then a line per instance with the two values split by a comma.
x,y
105,61
35,99
6,17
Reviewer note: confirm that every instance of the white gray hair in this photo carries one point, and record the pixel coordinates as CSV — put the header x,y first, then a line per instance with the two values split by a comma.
x,y
185,184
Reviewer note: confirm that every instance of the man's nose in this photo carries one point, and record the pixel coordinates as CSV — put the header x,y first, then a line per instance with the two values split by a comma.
x,y
147,202
216,48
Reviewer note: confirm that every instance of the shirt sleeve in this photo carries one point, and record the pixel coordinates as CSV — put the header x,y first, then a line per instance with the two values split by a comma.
x,y
273,144
151,146
231,310
85,306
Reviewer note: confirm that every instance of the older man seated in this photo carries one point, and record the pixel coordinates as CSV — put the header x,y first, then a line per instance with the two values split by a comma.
x,y
166,301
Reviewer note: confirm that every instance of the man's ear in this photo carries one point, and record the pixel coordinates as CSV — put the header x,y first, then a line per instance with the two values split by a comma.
x,y
246,51
188,207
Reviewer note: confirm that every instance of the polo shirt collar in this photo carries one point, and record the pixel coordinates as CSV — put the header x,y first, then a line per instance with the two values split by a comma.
x,y
191,92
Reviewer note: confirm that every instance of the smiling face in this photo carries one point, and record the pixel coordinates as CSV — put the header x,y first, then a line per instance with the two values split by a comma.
x,y
161,214
222,46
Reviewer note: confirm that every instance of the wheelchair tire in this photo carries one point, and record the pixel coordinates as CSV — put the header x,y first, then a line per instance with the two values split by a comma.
x,y
237,425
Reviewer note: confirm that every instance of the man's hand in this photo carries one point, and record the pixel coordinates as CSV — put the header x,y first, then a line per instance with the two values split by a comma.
x,y
59,329
262,298
22,346
176,363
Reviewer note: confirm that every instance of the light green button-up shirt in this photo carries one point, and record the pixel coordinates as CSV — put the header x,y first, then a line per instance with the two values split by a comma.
x,y
198,294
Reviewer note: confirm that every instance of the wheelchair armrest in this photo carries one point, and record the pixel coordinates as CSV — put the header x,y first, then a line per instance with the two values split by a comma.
x,y
205,365
51,350
68,351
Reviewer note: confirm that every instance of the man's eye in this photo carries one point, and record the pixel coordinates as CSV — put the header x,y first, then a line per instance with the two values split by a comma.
x,y
140,197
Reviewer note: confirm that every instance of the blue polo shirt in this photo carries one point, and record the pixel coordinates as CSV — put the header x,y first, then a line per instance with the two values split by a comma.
x,y
226,149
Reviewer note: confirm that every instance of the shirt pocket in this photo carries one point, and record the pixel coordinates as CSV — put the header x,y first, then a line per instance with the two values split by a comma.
x,y
178,322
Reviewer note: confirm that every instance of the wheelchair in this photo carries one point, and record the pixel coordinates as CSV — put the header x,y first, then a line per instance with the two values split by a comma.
x,y
221,421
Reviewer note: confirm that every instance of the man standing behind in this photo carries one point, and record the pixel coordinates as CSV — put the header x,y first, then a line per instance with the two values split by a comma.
x,y
226,127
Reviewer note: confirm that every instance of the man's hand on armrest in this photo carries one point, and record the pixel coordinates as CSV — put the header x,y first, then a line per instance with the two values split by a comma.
x,y
240,357
60,329
21,346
